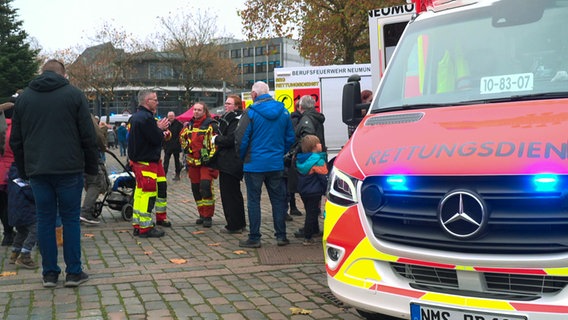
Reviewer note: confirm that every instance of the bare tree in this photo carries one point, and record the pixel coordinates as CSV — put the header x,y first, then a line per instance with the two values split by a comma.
x,y
192,36
100,69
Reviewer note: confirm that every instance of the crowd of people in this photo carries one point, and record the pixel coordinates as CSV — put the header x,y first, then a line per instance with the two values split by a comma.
x,y
47,182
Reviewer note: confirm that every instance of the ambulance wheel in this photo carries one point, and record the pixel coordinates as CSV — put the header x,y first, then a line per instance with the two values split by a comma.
x,y
98,209
375,316
127,212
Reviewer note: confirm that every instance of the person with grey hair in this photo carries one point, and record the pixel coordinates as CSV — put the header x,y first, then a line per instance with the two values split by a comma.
x,y
264,134
144,151
311,121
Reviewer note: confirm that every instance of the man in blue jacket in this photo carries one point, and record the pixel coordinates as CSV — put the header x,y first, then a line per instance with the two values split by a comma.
x,y
264,134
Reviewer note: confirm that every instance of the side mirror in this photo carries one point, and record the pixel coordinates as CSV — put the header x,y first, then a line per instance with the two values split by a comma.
x,y
351,98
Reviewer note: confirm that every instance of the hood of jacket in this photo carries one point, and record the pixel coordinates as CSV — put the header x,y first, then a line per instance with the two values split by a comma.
x,y
314,115
48,81
267,107
305,161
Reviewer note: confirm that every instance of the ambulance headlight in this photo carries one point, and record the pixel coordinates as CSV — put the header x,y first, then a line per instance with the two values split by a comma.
x,y
342,188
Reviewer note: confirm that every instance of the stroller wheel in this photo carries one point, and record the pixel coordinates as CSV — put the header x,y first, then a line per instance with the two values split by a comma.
x,y
127,212
98,209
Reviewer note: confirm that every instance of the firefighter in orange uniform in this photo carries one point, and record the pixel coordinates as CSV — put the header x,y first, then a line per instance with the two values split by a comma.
x,y
197,141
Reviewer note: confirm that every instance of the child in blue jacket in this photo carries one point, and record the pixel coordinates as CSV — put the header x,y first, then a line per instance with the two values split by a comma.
x,y
22,215
312,183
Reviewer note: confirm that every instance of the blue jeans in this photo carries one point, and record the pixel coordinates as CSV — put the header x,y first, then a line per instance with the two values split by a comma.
x,y
122,145
276,192
59,194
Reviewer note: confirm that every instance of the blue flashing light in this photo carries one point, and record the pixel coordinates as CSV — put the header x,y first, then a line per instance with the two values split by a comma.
x,y
397,183
545,182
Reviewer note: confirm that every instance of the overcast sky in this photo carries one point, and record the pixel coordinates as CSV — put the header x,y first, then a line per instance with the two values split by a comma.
x,y
61,24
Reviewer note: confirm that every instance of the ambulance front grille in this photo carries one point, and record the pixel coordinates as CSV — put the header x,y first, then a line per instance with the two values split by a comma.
x,y
497,285
520,220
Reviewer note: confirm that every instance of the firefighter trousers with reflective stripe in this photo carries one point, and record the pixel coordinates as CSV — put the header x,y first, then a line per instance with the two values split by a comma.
x,y
202,188
150,194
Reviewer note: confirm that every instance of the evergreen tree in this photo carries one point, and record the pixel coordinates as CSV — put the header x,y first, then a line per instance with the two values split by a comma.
x,y
18,62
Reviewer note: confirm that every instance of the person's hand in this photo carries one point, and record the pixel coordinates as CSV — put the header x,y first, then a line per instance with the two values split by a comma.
x,y
163,123
6,105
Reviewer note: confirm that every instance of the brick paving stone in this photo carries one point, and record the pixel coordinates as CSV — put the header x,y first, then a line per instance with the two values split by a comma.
x,y
224,309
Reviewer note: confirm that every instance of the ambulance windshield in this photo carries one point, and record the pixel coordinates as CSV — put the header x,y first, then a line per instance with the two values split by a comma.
x,y
486,54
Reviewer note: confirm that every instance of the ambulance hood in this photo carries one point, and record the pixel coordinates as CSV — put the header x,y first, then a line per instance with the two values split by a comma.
x,y
490,139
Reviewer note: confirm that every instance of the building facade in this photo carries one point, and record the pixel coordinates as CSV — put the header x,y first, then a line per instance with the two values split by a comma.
x,y
256,60
160,71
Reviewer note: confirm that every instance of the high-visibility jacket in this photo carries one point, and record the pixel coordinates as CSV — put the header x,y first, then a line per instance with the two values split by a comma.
x,y
197,141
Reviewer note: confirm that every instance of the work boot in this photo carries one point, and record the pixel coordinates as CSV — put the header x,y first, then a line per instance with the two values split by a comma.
x,y
207,222
14,257
152,233
25,260
176,177
295,212
164,223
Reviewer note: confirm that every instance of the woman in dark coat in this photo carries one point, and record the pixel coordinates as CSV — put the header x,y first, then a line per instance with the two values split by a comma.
x,y
230,167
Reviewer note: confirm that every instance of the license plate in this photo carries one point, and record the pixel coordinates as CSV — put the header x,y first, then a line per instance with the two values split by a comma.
x,y
424,312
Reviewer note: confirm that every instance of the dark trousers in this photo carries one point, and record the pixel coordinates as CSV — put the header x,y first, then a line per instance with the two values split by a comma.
x,y
313,210
8,229
232,200
177,164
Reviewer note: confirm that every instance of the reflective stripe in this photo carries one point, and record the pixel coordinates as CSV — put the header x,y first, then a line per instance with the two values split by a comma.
x,y
150,174
161,205
205,202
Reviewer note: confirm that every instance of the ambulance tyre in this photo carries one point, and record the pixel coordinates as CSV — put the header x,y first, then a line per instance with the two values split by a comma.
x,y
375,316
126,212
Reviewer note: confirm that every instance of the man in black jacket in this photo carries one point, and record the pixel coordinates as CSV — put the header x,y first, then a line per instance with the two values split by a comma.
x,y
54,142
172,146
144,150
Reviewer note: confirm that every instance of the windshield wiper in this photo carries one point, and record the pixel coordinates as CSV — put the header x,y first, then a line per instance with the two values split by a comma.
x,y
411,107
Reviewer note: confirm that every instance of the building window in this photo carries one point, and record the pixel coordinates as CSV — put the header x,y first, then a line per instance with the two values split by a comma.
x,y
274,49
272,65
247,52
158,70
260,51
248,68
235,53
261,67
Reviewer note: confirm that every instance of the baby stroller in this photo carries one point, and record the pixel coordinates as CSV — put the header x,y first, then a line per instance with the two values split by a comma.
x,y
120,192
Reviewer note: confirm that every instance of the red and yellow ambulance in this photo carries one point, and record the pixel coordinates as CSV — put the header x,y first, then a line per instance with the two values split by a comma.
x,y
450,200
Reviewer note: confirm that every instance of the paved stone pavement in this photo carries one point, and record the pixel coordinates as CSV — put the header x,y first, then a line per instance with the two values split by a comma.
x,y
133,278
